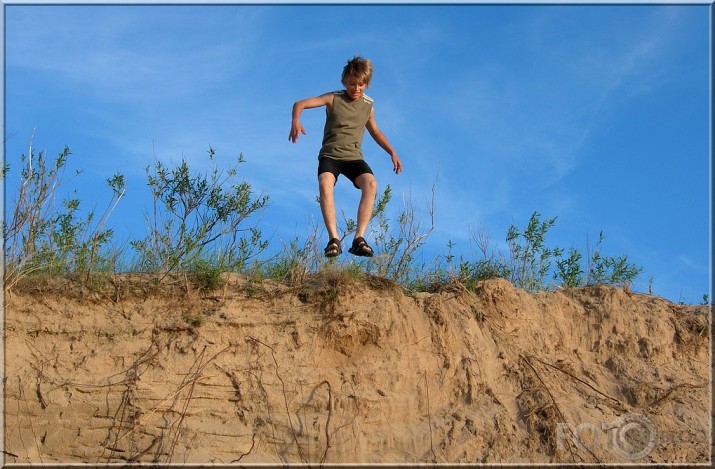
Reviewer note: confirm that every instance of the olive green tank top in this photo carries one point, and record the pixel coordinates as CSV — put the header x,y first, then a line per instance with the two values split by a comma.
x,y
345,126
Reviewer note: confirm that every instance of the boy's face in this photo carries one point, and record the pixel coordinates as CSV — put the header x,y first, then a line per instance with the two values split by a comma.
x,y
354,88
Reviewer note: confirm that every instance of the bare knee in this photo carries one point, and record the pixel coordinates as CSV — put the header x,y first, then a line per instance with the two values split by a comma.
x,y
368,184
326,183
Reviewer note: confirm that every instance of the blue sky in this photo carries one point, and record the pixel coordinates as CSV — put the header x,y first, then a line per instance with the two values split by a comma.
x,y
598,115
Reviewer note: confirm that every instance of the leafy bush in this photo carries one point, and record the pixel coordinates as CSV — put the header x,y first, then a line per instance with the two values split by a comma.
x,y
199,214
529,262
600,270
530,258
569,270
610,270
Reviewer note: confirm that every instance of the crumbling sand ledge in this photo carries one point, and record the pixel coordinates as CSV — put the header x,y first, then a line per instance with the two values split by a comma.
x,y
337,370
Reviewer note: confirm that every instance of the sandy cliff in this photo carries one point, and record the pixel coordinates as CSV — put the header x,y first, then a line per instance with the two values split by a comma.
x,y
339,370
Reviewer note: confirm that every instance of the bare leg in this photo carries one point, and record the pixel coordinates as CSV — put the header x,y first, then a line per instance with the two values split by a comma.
x,y
326,183
368,185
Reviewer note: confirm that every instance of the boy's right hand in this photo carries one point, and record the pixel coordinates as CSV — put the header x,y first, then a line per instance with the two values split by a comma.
x,y
295,130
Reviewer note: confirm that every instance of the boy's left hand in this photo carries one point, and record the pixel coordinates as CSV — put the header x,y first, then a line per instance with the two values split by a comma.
x,y
396,164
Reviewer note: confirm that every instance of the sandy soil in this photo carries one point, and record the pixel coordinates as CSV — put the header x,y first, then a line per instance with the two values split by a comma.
x,y
339,370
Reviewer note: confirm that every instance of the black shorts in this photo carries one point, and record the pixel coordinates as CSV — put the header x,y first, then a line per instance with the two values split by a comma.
x,y
351,169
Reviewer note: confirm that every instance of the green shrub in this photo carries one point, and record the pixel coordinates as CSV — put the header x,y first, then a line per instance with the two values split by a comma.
x,y
569,270
198,214
529,256
609,270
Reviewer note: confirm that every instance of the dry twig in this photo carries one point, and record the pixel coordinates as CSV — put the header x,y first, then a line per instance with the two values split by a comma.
x,y
616,401
556,406
670,391
429,419
285,397
253,443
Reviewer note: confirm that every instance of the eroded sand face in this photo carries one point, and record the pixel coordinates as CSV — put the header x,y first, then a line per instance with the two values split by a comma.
x,y
336,370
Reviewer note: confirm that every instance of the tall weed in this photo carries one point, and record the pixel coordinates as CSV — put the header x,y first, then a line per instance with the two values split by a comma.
x,y
44,236
399,245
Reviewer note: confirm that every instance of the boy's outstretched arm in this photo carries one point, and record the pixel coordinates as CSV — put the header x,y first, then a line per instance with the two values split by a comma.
x,y
381,140
296,128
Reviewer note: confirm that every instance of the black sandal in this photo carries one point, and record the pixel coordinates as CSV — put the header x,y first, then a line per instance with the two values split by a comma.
x,y
360,248
333,248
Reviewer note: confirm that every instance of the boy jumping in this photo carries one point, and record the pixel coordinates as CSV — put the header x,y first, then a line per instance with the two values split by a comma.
x,y
348,113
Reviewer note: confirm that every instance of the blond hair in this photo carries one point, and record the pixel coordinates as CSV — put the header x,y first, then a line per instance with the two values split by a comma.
x,y
358,68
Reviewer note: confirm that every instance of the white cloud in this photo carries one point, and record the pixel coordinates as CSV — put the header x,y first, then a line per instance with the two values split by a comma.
x,y
132,53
